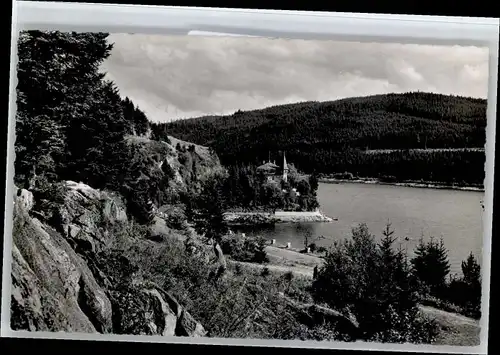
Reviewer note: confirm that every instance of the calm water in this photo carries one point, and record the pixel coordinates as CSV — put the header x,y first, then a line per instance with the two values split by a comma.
x,y
456,216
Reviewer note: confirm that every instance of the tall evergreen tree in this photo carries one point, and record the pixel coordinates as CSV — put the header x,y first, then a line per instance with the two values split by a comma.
x,y
69,123
209,208
472,279
431,265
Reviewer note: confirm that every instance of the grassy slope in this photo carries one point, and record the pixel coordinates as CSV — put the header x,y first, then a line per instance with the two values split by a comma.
x,y
456,329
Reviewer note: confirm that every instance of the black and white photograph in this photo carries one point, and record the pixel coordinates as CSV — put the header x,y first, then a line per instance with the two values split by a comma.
x,y
249,188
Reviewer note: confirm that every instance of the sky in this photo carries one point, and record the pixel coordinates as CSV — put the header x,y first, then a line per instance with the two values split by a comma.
x,y
177,77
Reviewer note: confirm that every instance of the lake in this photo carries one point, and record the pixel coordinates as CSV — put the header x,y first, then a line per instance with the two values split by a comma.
x,y
454,215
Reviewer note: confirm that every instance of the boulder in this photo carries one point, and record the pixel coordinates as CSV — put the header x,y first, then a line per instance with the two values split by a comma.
x,y
152,311
24,199
88,214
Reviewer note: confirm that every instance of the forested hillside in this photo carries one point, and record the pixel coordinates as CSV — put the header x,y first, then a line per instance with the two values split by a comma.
x,y
330,137
70,122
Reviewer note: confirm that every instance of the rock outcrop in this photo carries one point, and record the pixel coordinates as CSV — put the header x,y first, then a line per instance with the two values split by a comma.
x,y
65,278
190,164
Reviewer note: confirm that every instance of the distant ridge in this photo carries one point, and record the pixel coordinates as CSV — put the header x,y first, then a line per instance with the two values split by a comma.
x,y
389,121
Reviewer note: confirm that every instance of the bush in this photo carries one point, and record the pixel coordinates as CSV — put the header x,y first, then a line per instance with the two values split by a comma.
x,y
259,251
322,249
175,216
245,249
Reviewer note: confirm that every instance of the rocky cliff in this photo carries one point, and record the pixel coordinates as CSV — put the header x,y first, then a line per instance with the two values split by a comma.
x,y
70,276
188,163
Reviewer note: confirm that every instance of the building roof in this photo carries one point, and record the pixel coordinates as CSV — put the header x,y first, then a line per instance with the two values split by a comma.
x,y
268,166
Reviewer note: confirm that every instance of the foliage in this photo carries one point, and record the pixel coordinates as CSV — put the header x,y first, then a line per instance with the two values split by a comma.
x,y
466,290
206,209
69,122
459,167
373,282
137,118
48,198
175,216
138,183
431,266
59,88
245,249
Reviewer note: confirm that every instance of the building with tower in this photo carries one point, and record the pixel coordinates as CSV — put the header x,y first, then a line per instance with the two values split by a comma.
x,y
274,172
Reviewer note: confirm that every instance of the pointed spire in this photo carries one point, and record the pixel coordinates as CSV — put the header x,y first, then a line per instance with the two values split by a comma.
x,y
285,166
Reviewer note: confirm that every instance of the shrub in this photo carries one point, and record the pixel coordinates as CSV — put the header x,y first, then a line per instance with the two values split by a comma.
x,y
175,216
245,249
322,249
259,251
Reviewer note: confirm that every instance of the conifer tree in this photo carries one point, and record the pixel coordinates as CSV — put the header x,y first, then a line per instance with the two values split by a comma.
x,y
431,265
472,279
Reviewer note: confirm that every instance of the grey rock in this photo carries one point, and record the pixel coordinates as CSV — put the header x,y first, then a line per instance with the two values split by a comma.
x,y
68,282
24,198
46,286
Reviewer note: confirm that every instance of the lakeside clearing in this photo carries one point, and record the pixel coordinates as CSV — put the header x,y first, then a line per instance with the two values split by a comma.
x,y
249,218
414,184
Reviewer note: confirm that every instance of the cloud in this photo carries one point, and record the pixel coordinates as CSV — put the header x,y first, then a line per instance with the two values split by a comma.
x,y
172,77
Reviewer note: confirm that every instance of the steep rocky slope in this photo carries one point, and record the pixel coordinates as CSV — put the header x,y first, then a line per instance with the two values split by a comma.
x,y
189,163
70,278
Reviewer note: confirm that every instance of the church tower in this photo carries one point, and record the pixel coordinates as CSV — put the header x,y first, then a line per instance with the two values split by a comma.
x,y
285,169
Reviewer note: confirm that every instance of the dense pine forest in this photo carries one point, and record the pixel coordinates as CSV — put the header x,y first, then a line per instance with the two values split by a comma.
x,y
333,137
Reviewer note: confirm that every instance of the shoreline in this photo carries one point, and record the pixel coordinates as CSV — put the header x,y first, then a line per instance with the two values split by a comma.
x,y
413,184
262,218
